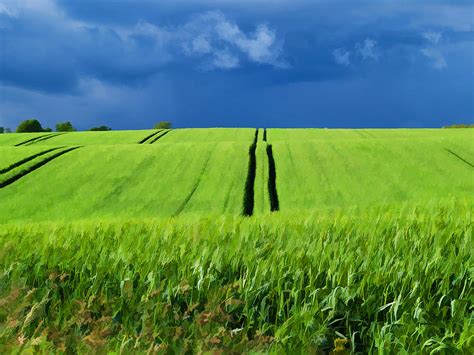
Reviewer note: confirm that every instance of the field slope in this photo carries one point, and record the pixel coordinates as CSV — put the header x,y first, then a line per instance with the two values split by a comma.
x,y
139,241
131,181
97,138
319,174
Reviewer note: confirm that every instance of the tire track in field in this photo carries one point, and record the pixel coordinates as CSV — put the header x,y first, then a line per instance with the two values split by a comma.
x,y
229,191
249,192
34,167
196,185
272,190
158,137
26,160
149,137
459,157
38,139
292,161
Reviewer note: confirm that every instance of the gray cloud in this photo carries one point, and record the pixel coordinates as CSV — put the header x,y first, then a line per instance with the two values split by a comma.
x,y
432,37
432,51
368,49
224,59
436,57
342,56
7,11
213,35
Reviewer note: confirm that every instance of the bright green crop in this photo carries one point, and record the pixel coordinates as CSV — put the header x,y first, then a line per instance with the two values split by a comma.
x,y
121,247
380,280
357,172
131,181
97,138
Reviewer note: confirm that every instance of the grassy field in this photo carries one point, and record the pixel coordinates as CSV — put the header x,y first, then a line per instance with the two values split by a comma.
x,y
208,135
10,154
316,174
12,139
109,245
131,180
305,134
388,280
98,138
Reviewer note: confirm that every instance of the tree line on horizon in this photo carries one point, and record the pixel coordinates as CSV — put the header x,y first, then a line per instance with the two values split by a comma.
x,y
33,125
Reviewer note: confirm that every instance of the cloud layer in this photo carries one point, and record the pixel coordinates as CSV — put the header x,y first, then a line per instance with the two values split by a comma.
x,y
224,44
226,62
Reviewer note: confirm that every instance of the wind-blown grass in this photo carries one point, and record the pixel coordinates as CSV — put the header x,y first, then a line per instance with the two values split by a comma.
x,y
388,280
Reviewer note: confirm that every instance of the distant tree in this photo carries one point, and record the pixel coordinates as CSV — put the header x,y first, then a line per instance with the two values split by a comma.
x,y
2,130
64,127
101,128
47,129
31,125
7,130
462,125
163,125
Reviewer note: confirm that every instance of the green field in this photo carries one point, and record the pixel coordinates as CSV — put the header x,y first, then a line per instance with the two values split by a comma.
x,y
13,139
316,174
98,138
131,180
10,155
135,241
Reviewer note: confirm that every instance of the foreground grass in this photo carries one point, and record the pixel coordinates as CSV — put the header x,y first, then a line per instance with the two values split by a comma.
x,y
393,279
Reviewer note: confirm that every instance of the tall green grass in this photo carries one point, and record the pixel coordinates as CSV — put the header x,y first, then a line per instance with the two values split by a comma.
x,y
381,280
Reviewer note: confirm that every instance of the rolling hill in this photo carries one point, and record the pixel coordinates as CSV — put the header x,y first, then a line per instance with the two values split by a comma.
x,y
237,240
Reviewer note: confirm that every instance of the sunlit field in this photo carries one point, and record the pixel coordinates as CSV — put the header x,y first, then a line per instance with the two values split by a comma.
x,y
237,240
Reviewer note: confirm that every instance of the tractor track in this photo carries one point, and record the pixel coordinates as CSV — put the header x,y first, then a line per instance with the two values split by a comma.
x,y
272,190
38,139
249,192
459,157
26,160
144,140
196,185
34,167
158,137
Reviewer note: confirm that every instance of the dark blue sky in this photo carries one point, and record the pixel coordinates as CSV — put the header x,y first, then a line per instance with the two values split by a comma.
x,y
273,63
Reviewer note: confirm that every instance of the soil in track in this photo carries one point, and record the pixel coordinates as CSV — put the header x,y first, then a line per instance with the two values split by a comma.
x,y
147,138
272,190
249,192
159,136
